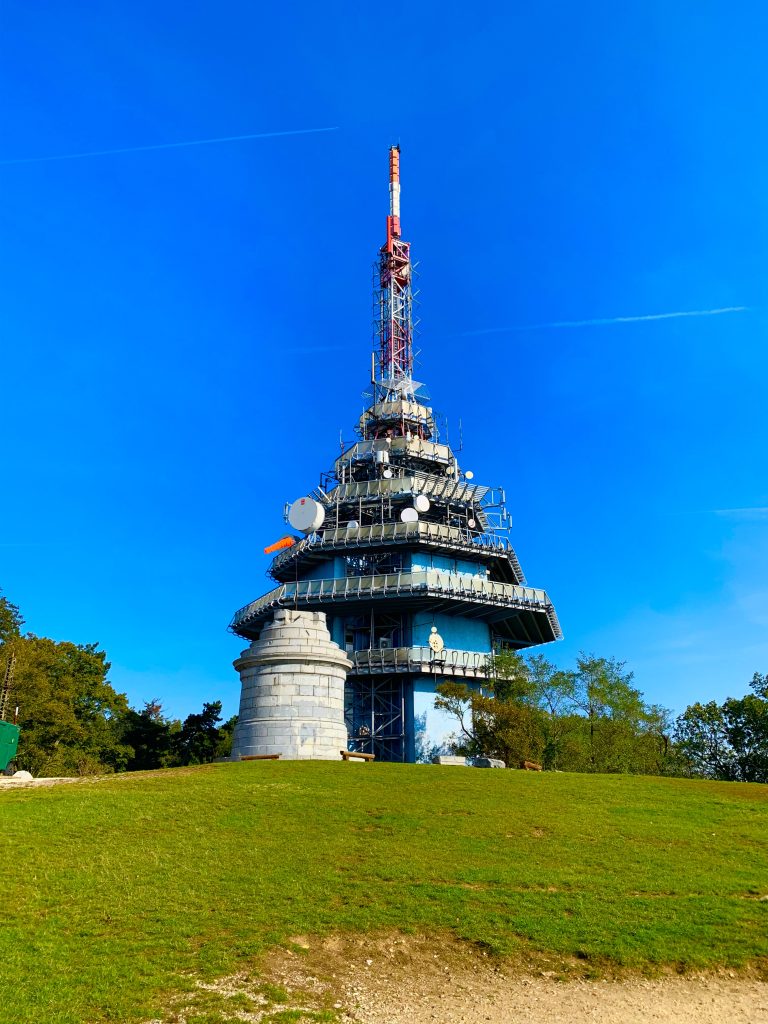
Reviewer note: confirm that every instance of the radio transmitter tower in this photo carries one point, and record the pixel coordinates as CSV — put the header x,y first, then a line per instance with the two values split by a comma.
x,y
408,559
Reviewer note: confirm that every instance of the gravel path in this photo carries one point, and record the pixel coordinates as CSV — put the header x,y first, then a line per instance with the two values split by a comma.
x,y
411,980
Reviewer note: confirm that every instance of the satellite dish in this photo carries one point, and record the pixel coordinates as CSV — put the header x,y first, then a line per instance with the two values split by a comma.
x,y
352,524
306,515
387,474
469,475
421,503
409,515
436,642
471,524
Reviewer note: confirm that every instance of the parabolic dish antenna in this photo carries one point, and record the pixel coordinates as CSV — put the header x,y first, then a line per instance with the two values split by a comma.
x,y
306,515
436,641
409,515
469,475
421,503
352,524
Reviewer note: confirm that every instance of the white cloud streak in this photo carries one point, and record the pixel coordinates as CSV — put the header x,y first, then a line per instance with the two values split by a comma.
x,y
754,514
164,145
604,321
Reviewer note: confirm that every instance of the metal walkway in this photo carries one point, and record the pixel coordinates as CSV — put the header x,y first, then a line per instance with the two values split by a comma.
x,y
436,536
429,583
421,660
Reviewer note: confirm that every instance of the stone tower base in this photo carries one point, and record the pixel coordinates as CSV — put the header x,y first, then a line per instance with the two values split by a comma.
x,y
292,701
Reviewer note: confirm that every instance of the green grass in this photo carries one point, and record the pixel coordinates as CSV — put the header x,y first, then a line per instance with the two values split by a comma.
x,y
120,893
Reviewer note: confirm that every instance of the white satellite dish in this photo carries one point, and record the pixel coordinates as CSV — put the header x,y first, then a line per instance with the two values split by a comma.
x,y
471,524
436,642
469,475
352,524
387,474
421,503
306,515
409,515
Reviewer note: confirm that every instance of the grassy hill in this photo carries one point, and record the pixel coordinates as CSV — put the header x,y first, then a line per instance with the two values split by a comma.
x,y
118,892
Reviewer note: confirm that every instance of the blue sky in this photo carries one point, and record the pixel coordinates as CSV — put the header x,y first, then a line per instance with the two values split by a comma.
x,y
185,331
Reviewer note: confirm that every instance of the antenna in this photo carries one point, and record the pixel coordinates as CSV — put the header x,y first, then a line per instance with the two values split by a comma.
x,y
393,300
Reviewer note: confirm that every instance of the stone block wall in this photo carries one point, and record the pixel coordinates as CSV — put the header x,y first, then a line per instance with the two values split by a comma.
x,y
292,699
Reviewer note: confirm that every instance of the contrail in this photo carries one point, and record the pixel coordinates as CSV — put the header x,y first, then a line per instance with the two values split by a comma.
x,y
751,514
610,320
163,145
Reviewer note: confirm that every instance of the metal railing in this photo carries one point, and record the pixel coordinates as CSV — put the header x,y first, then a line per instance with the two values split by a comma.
x,y
426,583
414,448
399,533
421,659
449,488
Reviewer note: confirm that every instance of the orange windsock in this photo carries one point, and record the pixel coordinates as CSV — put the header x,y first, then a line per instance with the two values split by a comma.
x,y
284,542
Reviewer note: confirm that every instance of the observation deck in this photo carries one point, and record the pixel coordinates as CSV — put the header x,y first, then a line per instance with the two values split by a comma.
x,y
523,615
439,537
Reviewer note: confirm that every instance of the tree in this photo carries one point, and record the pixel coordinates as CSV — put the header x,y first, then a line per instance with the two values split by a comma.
x,y
149,734
727,741
657,751
492,726
226,735
456,699
427,751
74,723
512,678
614,710
555,693
199,738
701,734
746,722
10,621
591,719
69,714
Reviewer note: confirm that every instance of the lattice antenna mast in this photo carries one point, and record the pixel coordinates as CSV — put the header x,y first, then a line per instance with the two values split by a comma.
x,y
393,301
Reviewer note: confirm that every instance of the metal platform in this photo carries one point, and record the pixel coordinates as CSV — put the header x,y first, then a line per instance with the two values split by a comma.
x,y
478,598
421,661
436,537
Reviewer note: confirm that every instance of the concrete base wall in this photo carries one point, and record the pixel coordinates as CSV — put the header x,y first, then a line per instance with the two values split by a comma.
x,y
292,700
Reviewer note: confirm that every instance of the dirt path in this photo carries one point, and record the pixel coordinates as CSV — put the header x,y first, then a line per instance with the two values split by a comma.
x,y
400,980
523,1000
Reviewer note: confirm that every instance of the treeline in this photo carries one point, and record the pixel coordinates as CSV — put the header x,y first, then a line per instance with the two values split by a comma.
x,y
590,718
593,719
73,722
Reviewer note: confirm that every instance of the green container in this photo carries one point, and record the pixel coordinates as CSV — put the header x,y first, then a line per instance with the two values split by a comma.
x,y
9,742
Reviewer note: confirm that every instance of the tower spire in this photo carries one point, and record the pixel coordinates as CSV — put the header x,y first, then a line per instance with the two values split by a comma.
x,y
393,300
393,221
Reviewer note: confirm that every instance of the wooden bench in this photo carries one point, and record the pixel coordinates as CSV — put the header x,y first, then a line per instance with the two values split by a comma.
x,y
347,754
259,757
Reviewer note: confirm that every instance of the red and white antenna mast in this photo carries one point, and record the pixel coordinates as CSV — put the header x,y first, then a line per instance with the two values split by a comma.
x,y
393,300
